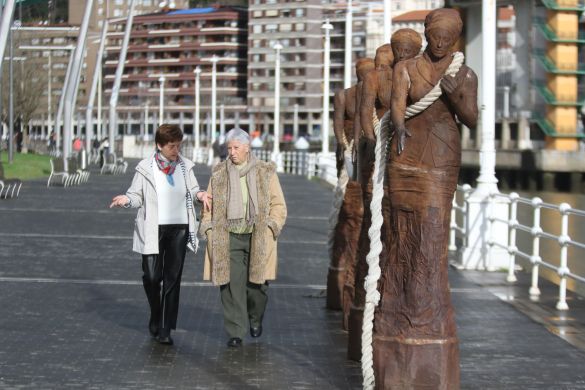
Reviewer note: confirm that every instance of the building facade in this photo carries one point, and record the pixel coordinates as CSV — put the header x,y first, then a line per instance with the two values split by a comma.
x,y
172,44
297,26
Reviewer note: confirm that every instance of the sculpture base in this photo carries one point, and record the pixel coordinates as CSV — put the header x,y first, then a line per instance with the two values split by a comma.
x,y
401,363
335,283
354,340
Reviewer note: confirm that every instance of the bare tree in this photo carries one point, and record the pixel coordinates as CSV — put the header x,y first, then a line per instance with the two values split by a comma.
x,y
30,82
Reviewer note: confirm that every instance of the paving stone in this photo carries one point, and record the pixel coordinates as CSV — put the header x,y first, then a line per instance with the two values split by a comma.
x,y
74,313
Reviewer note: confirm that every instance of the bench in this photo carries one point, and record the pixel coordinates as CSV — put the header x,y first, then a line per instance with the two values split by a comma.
x,y
58,170
9,188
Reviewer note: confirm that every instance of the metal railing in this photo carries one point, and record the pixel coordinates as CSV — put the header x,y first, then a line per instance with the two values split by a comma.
x,y
534,230
297,162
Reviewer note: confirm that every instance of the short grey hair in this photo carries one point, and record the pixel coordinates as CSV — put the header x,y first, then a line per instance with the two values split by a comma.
x,y
237,134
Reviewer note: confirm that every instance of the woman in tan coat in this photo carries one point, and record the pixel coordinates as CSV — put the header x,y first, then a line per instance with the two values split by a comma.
x,y
247,215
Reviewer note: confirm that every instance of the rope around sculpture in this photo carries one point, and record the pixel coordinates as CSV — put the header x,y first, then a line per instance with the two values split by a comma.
x,y
338,196
373,257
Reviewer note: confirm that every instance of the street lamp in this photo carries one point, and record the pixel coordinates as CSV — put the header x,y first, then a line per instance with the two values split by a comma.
x,y
196,125
161,97
348,55
326,65
214,61
276,157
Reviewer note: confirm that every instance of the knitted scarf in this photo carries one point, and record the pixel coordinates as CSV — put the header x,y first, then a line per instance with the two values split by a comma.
x,y
236,215
166,166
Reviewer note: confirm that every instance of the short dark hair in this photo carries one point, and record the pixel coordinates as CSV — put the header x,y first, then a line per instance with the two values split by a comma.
x,y
168,133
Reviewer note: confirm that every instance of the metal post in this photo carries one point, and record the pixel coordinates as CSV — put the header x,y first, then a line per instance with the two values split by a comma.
x,y
69,100
512,248
196,125
387,20
326,69
506,119
535,258
99,105
347,67
563,270
5,27
49,93
94,86
62,102
487,182
161,100
146,124
222,120
296,123
276,157
214,60
113,125
10,100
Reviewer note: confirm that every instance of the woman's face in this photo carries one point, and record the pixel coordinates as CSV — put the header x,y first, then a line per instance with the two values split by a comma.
x,y
440,42
171,150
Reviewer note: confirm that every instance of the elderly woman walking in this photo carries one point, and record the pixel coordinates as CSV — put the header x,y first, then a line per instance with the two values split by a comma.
x,y
163,190
245,220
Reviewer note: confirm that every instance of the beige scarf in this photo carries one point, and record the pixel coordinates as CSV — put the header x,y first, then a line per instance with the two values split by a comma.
x,y
235,209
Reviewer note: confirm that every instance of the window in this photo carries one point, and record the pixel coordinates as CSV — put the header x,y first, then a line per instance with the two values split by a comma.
x,y
257,29
300,27
270,27
285,27
299,12
271,13
257,14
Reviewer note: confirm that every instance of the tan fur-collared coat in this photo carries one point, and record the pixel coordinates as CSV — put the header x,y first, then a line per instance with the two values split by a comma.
x,y
270,218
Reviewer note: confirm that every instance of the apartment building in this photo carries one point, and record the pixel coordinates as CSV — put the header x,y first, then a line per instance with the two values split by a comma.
x,y
172,43
297,27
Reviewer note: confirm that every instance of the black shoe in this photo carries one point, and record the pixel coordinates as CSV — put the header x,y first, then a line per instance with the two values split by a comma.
x,y
153,327
256,331
234,342
166,340
164,337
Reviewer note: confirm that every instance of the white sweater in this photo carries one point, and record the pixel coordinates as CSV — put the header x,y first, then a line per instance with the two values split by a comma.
x,y
172,205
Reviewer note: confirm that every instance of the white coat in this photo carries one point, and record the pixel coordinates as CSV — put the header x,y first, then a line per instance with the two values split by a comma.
x,y
142,195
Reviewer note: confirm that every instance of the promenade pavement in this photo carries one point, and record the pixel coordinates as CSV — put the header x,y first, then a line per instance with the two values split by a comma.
x,y
73,313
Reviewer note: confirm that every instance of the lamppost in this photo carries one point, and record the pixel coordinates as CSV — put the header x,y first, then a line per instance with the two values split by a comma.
x,y
161,98
326,65
214,61
387,20
276,156
146,125
348,55
196,124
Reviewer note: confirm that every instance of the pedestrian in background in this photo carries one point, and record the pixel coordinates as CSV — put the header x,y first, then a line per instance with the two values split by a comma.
x,y
246,218
163,190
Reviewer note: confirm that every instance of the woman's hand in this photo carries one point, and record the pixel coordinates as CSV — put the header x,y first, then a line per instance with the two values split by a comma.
x,y
120,201
401,132
205,198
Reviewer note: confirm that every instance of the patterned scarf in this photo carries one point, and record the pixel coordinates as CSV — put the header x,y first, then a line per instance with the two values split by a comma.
x,y
236,215
167,167
189,199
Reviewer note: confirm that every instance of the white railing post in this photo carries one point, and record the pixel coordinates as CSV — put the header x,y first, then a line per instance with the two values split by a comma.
x,y
535,258
466,194
563,269
512,248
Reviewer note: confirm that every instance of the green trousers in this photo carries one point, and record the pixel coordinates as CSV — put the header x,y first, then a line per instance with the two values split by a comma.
x,y
243,302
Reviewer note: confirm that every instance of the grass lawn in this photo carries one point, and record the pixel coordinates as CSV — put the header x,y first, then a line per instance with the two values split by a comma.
x,y
26,166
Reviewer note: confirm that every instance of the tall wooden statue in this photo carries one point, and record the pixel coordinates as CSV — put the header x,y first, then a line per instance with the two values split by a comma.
x,y
415,340
350,213
376,95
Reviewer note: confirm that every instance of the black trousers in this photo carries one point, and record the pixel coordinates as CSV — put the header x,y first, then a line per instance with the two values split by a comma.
x,y
166,267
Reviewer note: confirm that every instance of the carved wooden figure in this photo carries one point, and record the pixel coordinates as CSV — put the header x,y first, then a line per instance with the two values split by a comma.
x,y
415,341
350,213
376,94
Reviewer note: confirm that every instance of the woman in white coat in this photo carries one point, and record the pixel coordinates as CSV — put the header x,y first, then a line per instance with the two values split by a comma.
x,y
163,190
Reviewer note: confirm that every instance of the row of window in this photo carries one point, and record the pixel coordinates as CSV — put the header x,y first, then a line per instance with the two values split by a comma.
x,y
274,27
275,13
